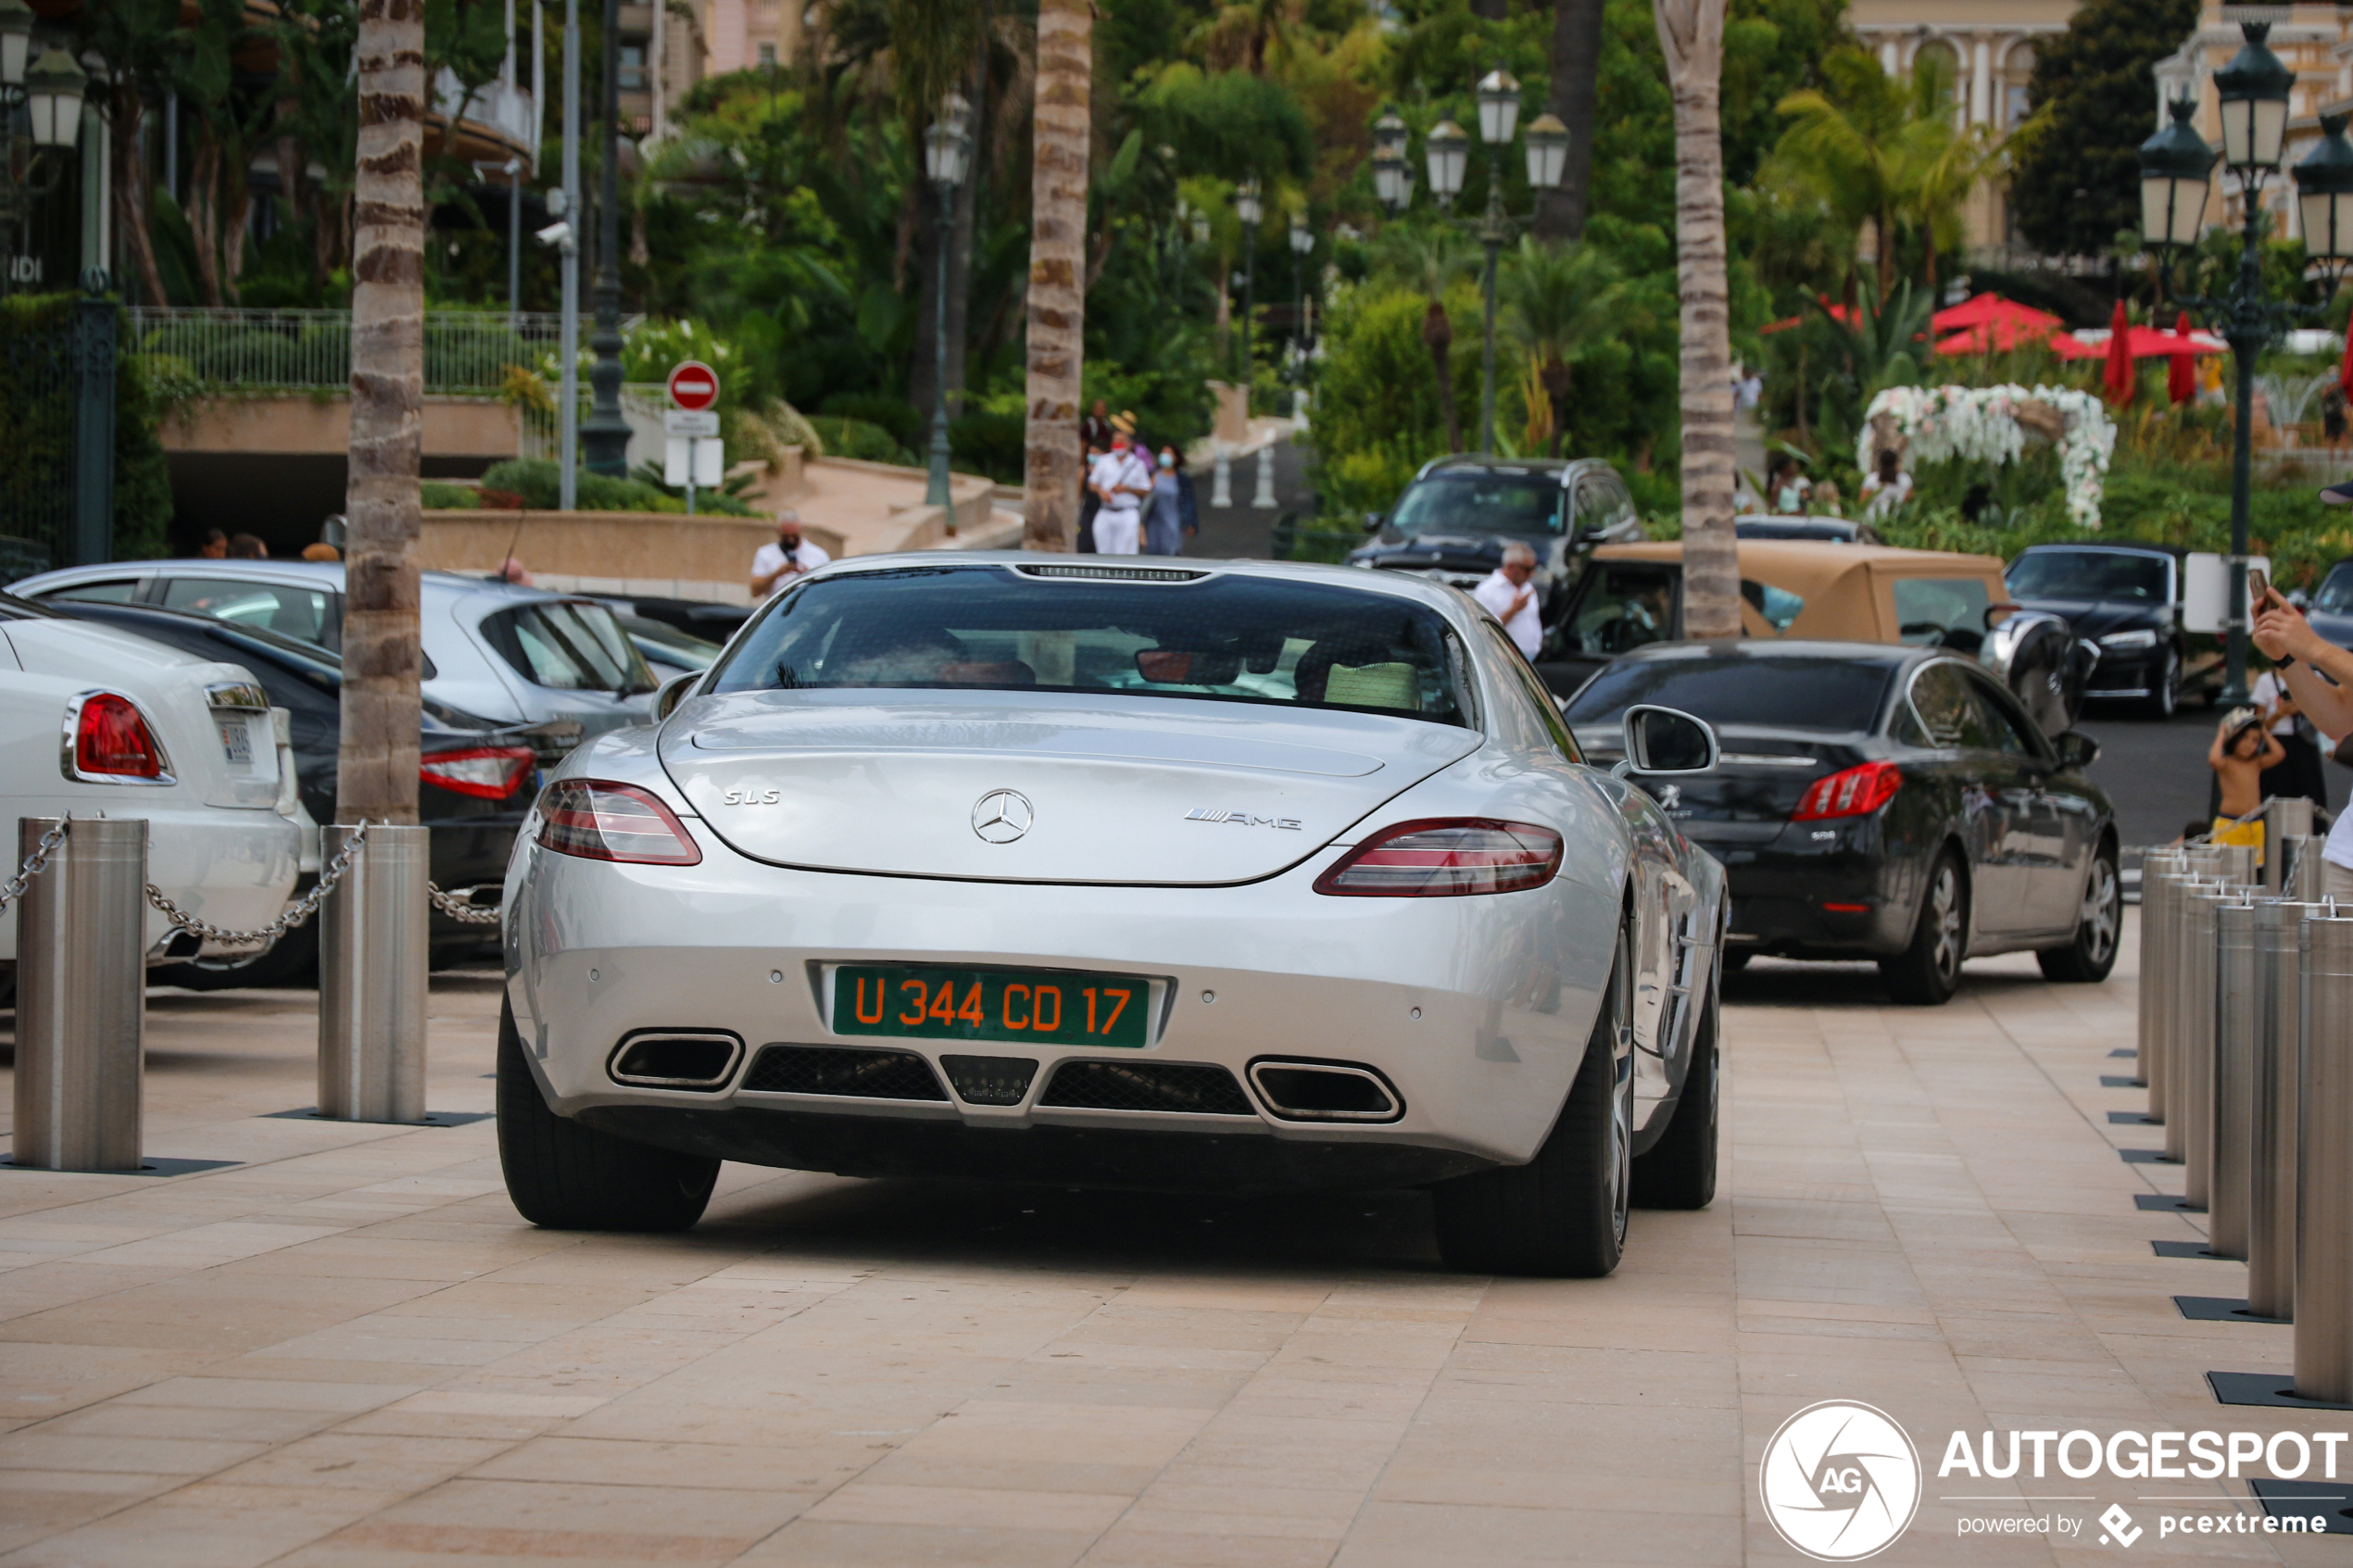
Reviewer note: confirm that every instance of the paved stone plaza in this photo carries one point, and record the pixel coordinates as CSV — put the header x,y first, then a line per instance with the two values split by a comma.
x,y
346,1350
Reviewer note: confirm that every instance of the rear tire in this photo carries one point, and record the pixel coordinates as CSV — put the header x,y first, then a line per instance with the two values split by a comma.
x,y
1563,1214
1927,973
2090,952
563,1176
1679,1170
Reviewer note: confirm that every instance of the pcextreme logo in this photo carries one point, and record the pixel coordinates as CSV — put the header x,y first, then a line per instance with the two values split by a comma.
x,y
1839,1481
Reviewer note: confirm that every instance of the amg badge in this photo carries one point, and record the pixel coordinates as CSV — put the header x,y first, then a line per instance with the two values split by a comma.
x,y
1239,819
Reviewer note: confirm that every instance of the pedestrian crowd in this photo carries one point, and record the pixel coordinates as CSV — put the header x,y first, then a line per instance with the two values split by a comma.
x,y
1136,501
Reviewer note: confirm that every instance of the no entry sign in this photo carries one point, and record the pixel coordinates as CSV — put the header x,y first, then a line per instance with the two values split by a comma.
x,y
693,385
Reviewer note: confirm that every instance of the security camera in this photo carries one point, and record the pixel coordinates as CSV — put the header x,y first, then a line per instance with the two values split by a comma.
x,y
557,234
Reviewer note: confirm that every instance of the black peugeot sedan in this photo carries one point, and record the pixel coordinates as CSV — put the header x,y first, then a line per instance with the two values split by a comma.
x,y
1885,802
475,779
2125,601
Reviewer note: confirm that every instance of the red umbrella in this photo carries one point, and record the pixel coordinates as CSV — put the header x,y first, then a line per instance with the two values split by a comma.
x,y
2180,377
1997,336
2345,370
2118,378
1989,310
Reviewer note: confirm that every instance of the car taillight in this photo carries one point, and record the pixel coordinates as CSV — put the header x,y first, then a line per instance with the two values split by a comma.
x,y
599,820
487,772
1438,858
1851,792
111,740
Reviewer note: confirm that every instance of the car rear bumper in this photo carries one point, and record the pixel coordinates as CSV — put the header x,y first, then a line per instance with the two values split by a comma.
x,y
1838,895
1475,1012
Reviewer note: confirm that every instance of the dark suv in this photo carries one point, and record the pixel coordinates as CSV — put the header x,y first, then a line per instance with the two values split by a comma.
x,y
1454,519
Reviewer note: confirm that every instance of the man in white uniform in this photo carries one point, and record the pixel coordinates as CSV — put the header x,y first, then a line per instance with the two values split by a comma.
x,y
1121,482
1507,596
774,566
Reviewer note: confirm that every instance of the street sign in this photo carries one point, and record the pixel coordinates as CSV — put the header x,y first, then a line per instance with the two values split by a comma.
x,y
689,421
693,385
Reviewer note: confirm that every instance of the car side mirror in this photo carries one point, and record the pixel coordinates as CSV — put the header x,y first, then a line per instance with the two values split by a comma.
x,y
1668,740
2077,750
1373,522
671,692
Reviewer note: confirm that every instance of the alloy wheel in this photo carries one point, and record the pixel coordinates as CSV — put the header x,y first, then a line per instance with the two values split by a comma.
x,y
2103,910
1944,910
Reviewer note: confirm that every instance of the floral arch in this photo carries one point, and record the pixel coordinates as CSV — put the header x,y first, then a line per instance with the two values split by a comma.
x,y
1992,425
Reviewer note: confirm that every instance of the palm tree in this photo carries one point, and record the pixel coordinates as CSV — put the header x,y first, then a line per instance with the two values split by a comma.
x,y
1426,261
1574,95
1691,35
376,781
1557,299
1057,270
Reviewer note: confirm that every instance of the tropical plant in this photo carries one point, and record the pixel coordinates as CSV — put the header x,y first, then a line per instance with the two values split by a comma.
x,y
1063,131
1557,299
1691,35
376,781
1427,259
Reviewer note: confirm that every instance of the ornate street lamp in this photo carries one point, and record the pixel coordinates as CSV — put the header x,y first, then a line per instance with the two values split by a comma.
x,y
1447,150
1498,107
2325,197
1302,244
53,92
15,41
2177,170
1547,160
604,434
2175,163
1547,152
946,153
1392,179
49,92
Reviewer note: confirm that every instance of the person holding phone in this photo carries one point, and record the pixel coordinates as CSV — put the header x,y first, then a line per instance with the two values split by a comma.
x,y
2318,675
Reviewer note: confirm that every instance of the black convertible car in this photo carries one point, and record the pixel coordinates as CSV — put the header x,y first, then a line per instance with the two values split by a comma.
x,y
1885,802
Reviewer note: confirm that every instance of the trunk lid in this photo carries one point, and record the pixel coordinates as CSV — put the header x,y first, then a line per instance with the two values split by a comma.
x,y
1754,786
1141,790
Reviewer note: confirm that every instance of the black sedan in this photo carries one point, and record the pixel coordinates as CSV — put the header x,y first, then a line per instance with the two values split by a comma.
x,y
475,783
1885,802
2125,601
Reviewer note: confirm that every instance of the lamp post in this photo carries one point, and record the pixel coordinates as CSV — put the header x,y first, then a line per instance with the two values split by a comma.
x,y
48,91
2176,168
604,436
944,155
1302,244
1248,207
1447,150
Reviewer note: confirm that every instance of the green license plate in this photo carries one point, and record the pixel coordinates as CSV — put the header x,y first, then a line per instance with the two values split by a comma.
x,y
1020,1007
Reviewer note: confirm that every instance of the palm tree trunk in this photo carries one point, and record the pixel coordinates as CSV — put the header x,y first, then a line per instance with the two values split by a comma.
x,y
1057,270
1576,57
1438,336
377,777
135,187
1692,33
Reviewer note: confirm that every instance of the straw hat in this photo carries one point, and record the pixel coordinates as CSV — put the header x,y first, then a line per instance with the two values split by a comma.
x,y
1124,422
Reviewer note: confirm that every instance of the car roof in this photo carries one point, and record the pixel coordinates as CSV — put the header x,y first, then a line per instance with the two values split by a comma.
x,y
1553,468
1776,648
294,573
1394,584
2132,548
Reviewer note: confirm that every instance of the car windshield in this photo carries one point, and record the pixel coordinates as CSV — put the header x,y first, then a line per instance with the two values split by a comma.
x,y
1147,632
1480,501
2335,597
2088,574
1782,693
569,647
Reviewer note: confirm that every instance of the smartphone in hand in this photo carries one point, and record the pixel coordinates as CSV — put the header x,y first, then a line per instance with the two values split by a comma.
x,y
2259,589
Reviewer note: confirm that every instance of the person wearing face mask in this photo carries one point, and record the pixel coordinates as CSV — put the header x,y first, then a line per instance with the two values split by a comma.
x,y
1120,482
1174,514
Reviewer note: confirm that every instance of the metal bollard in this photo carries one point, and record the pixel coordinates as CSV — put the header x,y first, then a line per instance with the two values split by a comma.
x,y
2285,819
1221,490
81,997
2182,995
2161,875
2302,879
2193,1063
2279,1032
2231,1137
372,963
2234,863
2324,1166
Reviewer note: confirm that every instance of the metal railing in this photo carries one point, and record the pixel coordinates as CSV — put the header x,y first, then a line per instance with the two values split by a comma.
x,y
467,352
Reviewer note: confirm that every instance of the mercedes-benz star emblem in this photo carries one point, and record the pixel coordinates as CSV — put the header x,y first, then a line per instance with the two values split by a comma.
x,y
1002,816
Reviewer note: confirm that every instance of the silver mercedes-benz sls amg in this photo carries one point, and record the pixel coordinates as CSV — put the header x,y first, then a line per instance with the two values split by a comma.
x,y
1206,875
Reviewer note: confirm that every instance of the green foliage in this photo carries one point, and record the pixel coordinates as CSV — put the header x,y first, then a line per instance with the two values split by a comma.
x,y
1229,123
37,413
538,481
994,441
906,424
436,496
858,438
1378,415
2095,102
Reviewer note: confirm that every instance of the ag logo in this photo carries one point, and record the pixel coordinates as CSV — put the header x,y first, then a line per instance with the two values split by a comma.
x,y
1839,1481
1003,815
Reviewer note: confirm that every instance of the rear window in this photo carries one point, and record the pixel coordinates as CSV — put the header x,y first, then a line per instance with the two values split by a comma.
x,y
1068,629
306,615
1941,611
1787,693
570,648
1476,501
2088,574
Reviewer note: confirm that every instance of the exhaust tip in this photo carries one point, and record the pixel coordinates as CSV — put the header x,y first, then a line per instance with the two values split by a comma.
x,y
1325,1091
675,1059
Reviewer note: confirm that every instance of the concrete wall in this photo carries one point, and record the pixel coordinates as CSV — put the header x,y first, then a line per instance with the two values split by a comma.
x,y
478,428
654,552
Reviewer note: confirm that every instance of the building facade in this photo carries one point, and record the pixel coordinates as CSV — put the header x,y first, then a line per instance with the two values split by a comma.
x,y
2315,41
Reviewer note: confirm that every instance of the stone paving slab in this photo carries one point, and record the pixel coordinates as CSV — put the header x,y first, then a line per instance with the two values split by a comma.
x,y
348,1351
